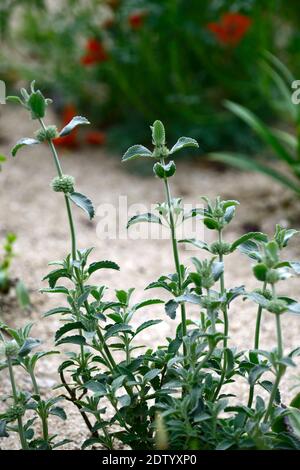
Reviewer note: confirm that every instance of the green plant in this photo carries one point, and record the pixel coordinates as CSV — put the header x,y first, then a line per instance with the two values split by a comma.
x,y
285,145
6,282
16,348
175,396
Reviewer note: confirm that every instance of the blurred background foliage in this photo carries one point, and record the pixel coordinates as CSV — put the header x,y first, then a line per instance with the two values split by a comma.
x,y
125,63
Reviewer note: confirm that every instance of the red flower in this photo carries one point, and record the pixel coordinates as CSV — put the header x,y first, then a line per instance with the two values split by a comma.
x,y
95,53
231,29
96,138
136,20
69,140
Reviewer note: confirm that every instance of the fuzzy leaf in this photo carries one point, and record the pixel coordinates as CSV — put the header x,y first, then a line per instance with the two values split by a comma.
x,y
58,411
54,311
76,121
158,133
37,105
256,373
102,265
67,327
56,290
28,345
148,217
96,387
76,339
136,151
170,308
22,142
258,236
115,329
197,243
83,202
147,324
294,308
145,303
151,375
54,276
250,249
217,270
183,142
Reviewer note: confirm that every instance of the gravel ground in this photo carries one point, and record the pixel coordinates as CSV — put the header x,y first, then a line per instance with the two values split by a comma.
x,y
29,208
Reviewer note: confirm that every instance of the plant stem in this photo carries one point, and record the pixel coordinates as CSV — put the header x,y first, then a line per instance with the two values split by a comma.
x,y
226,323
106,349
175,253
45,428
280,368
222,289
15,396
70,217
258,321
73,399
256,343
34,382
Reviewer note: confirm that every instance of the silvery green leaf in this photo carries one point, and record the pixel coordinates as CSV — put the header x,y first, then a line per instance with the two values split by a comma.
x,y
217,270
257,236
183,142
170,308
148,217
295,265
102,265
294,308
83,202
136,151
22,142
76,121
197,243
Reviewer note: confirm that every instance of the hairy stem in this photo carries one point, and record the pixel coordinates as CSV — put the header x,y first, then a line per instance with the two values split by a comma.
x,y
256,343
280,368
175,253
226,324
70,216
15,396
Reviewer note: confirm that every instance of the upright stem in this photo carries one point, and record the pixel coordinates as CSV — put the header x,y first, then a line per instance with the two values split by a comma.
x,y
34,383
222,289
45,428
43,417
258,321
70,217
15,396
175,252
226,323
256,343
280,368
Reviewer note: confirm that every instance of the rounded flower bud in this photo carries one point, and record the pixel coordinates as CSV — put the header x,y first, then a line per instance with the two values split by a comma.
x,y
16,411
264,292
160,151
10,349
63,184
220,248
49,133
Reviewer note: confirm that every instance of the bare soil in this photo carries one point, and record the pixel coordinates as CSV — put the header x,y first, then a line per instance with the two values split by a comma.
x,y
29,208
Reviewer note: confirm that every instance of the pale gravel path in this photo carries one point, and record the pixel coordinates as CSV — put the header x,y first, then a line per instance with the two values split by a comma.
x,y
29,208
